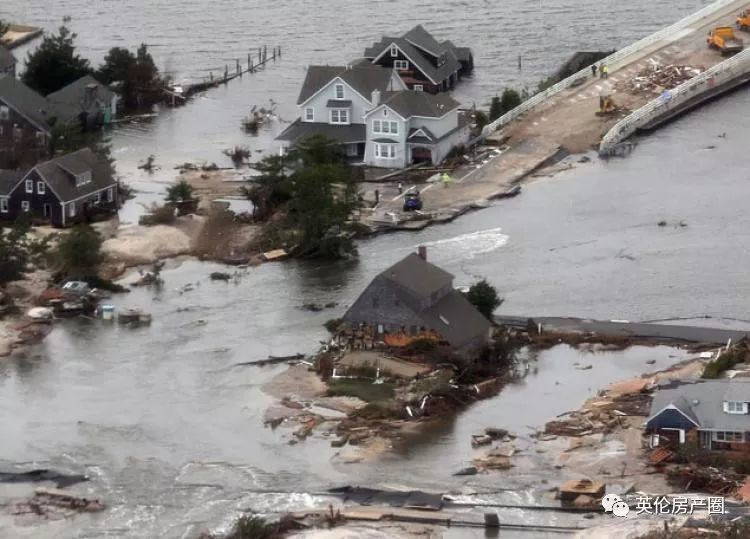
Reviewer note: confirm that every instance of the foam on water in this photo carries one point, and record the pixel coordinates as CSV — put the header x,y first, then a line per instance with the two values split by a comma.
x,y
467,246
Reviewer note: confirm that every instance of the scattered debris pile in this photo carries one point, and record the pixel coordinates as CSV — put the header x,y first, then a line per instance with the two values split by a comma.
x,y
55,503
656,78
694,478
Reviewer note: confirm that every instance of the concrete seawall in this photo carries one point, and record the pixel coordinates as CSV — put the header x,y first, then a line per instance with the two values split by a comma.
x,y
721,78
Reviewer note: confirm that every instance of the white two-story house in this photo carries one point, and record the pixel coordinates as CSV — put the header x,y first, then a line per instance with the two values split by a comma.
x,y
333,102
409,127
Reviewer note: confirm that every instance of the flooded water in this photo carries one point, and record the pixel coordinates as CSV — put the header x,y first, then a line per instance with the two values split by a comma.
x,y
172,435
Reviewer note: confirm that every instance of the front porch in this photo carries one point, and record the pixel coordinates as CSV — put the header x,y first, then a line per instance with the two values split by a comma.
x,y
736,442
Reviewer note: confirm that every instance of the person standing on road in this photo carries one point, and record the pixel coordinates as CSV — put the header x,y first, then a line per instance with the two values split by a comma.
x,y
593,70
605,72
400,188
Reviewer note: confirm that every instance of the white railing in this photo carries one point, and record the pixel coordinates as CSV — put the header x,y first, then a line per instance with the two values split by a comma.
x,y
609,60
715,76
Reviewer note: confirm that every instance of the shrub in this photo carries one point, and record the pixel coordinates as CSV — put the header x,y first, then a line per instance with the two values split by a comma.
x,y
158,215
725,361
484,297
180,192
79,253
252,527
333,325
238,154
481,119
510,100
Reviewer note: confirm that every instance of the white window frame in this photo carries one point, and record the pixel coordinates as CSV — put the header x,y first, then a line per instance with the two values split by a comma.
x,y
110,194
25,206
98,198
3,205
41,187
29,186
376,126
83,179
4,112
339,114
418,88
394,51
336,88
736,407
729,436
309,114
71,209
385,151
385,127
401,65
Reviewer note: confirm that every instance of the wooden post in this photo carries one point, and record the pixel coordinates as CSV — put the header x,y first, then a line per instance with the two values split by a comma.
x,y
238,69
279,51
249,62
226,73
260,55
274,54
251,68
265,53
211,76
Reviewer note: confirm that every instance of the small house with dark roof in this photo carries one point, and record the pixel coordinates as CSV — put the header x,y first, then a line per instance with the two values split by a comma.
x,y
423,62
333,101
410,127
25,124
414,297
7,62
85,102
62,191
714,414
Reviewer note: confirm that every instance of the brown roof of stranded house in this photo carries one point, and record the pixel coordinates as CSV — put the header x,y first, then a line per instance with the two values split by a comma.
x,y
26,102
60,174
364,78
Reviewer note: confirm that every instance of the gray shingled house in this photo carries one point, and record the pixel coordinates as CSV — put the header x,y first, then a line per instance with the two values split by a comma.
x,y
715,414
85,102
25,124
333,101
413,296
62,191
424,63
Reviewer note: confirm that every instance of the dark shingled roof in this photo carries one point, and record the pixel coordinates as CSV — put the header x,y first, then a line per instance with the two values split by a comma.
x,y
345,134
419,37
58,174
70,101
8,180
362,78
424,130
703,402
418,276
456,319
408,103
7,60
25,101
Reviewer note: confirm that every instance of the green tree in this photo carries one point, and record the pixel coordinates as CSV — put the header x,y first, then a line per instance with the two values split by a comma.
x,y
55,63
318,150
484,297
509,100
180,192
136,75
271,189
18,249
481,119
496,109
79,252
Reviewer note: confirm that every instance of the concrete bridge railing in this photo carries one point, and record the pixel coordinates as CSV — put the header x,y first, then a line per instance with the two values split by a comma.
x,y
564,84
714,77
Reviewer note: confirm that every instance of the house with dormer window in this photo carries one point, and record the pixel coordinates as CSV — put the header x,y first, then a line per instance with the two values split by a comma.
x,y
333,102
714,414
62,191
424,63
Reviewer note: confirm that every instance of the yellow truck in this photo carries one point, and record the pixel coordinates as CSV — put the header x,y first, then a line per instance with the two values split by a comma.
x,y
743,20
724,39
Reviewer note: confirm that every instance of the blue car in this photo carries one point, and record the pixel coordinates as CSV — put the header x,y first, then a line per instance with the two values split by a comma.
x,y
412,202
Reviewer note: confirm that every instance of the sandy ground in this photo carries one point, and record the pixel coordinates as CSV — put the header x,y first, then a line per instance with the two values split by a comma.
x,y
147,244
23,293
210,185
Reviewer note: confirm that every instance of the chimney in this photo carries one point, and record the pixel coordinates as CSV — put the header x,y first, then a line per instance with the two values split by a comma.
x,y
375,98
422,252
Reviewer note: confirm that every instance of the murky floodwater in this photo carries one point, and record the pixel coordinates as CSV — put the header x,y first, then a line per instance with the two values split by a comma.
x,y
172,435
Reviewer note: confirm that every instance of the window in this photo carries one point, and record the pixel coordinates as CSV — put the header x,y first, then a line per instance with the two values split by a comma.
x,y
25,206
41,187
384,126
3,205
110,195
339,91
394,50
40,138
729,437
97,198
401,65
29,186
418,88
83,178
735,407
72,209
309,114
339,116
385,151
4,113
17,133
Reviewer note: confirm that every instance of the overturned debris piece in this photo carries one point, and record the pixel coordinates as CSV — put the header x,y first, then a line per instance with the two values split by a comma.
x,y
34,476
478,440
496,433
275,254
61,498
572,489
220,276
469,470
134,317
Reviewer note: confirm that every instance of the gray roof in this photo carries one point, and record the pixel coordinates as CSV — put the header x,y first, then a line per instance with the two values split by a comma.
x,y
424,130
7,60
345,134
59,174
418,44
364,78
84,95
8,180
456,319
409,103
418,276
703,402
25,102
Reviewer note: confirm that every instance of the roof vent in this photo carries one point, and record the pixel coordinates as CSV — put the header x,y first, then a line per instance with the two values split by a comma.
x,y
696,402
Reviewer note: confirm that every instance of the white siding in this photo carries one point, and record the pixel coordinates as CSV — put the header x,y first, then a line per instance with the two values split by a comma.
x,y
402,157
319,103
